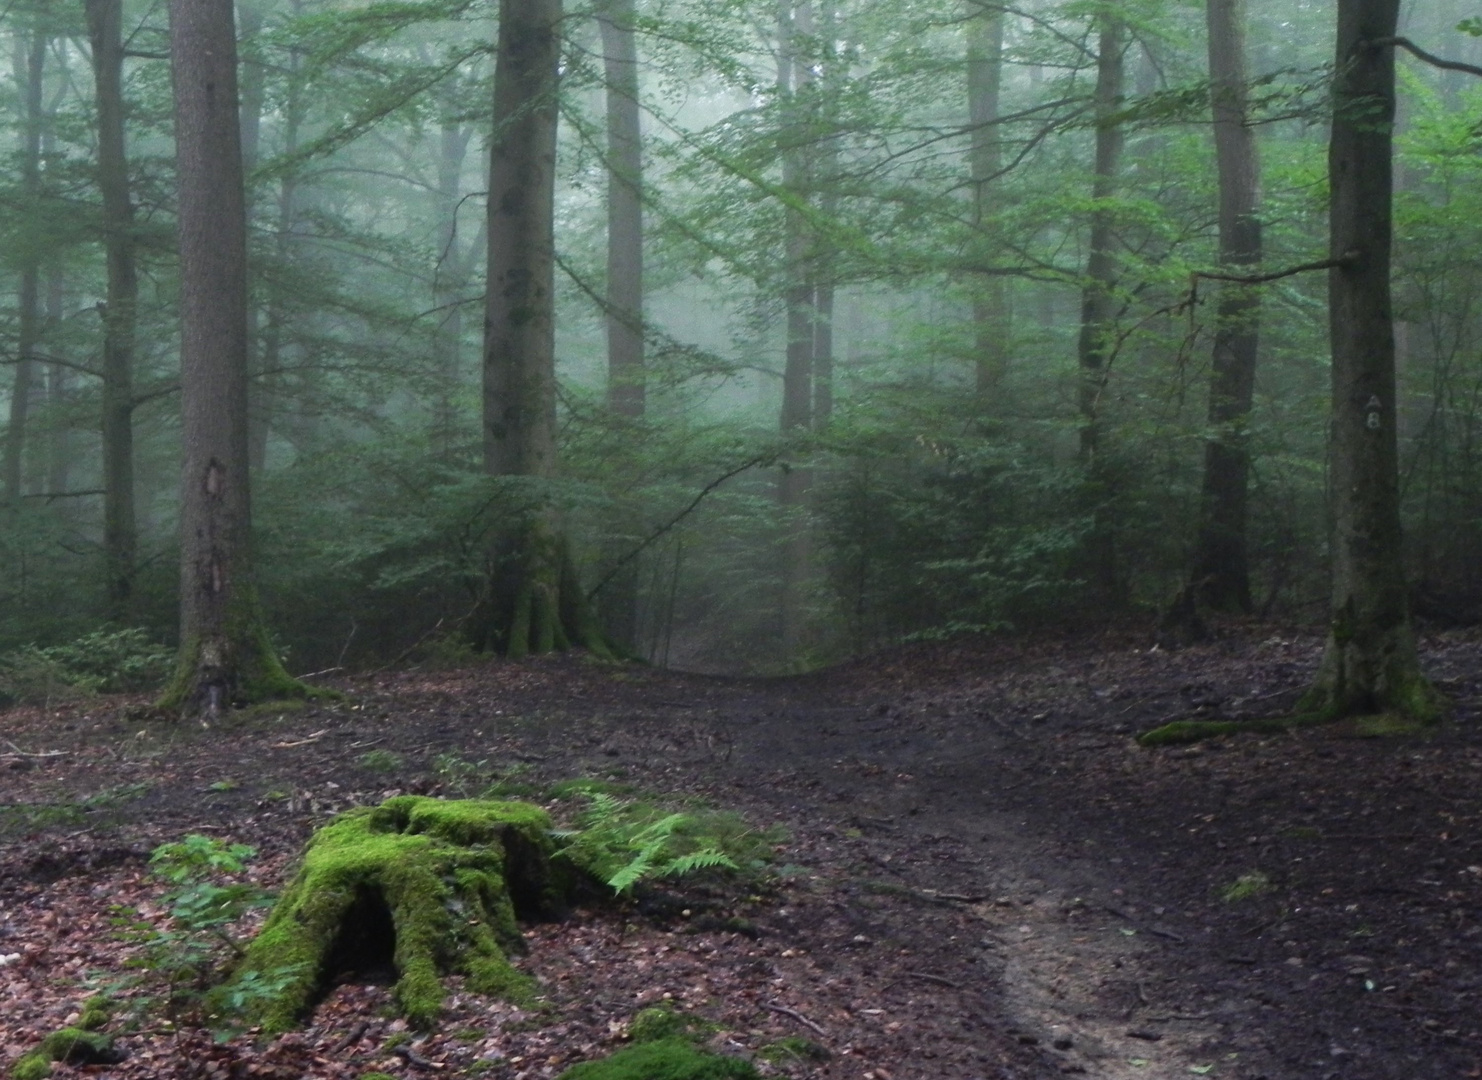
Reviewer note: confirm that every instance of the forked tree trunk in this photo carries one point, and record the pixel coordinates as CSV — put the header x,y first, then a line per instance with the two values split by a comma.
x,y
120,313
990,296
1220,573
225,654
1370,665
533,600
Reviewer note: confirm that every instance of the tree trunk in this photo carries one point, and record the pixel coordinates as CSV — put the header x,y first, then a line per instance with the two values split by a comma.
x,y
1098,308
625,383
58,392
990,296
793,77
533,600
120,313
1097,300
1221,575
451,278
1370,665
225,654
30,62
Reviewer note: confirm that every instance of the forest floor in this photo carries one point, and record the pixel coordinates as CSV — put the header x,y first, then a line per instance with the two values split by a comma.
x,y
986,878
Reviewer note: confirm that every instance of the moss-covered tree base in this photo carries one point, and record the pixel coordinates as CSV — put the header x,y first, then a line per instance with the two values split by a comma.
x,y
425,886
80,1045
666,1059
230,669
533,599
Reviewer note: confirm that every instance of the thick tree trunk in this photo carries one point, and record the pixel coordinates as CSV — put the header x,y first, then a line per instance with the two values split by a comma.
x,y
30,63
1097,299
1370,665
120,313
625,382
225,654
533,600
990,298
1220,570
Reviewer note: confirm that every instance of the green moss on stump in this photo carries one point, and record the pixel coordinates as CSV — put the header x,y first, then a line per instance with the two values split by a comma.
x,y
72,1045
441,879
667,1059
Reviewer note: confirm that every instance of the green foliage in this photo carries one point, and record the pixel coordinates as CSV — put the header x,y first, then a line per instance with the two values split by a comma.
x,y
624,842
104,661
1246,886
20,819
661,1022
667,1059
181,960
380,761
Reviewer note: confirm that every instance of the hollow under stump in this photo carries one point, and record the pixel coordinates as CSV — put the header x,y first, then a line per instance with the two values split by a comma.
x,y
422,887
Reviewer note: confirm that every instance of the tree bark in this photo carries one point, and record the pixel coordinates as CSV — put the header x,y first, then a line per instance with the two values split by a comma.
x,y
1370,664
452,273
225,654
120,312
794,17
30,64
985,160
533,600
1097,299
625,382
1220,570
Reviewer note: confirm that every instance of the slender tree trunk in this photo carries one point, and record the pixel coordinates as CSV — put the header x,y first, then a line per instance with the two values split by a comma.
x,y
534,601
626,390
1097,299
1221,574
58,391
225,654
625,382
793,80
1098,308
991,315
452,273
30,63
120,312
1370,664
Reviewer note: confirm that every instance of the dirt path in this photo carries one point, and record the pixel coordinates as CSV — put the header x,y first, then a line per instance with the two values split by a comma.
x,y
987,878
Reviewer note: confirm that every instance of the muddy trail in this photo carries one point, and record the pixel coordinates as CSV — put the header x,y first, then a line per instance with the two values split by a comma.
x,y
985,877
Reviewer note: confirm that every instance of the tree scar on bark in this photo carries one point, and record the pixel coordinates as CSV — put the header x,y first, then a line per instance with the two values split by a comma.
x,y
215,479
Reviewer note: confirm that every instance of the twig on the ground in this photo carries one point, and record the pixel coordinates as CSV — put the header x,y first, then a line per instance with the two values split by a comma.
x,y
36,754
416,1059
311,738
356,1034
794,1014
927,976
957,898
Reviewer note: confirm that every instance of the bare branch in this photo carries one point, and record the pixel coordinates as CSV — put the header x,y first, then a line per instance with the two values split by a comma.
x,y
1430,58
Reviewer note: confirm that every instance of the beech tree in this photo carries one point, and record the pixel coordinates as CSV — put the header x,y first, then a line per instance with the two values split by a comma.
x,y
226,656
533,599
1370,664
120,312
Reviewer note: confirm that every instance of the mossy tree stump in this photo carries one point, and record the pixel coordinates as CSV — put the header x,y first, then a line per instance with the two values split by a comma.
x,y
430,887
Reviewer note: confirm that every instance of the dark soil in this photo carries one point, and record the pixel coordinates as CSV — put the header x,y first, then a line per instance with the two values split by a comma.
x,y
987,878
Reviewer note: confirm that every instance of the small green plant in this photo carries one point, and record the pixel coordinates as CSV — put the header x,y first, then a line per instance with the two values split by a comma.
x,y
624,842
380,761
458,774
1246,886
206,896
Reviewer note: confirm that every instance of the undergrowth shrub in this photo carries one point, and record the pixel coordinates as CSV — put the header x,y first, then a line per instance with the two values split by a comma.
x,y
104,661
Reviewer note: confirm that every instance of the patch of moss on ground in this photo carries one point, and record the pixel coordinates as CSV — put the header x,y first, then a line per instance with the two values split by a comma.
x,y
435,883
667,1059
72,1045
658,1023
793,1050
